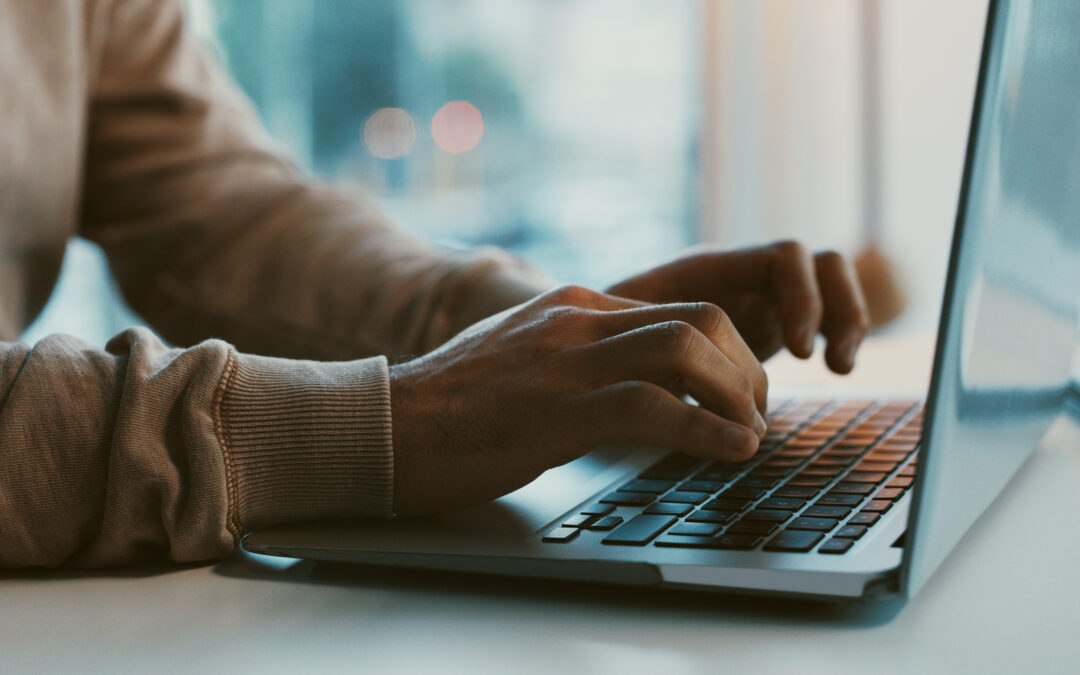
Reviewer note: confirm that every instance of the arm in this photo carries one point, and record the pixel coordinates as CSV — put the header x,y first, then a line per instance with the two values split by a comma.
x,y
212,234
144,452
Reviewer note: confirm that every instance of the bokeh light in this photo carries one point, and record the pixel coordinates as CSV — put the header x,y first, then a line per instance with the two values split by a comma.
x,y
457,127
389,133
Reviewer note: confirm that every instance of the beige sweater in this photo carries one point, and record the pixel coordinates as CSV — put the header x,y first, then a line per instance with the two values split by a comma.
x,y
114,124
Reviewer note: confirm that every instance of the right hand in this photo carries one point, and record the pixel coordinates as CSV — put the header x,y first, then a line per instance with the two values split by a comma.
x,y
542,383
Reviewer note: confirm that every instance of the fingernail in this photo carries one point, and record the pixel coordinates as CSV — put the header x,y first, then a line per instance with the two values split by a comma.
x,y
740,440
808,342
759,424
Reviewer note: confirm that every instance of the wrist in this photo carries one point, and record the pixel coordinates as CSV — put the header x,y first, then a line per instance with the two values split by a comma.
x,y
497,282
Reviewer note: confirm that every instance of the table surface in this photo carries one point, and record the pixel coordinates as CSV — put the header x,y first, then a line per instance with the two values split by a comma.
x,y
1005,601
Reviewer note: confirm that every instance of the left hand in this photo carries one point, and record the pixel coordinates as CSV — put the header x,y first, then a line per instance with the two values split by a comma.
x,y
776,295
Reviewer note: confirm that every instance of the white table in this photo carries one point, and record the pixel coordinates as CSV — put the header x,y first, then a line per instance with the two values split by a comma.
x,y
1008,601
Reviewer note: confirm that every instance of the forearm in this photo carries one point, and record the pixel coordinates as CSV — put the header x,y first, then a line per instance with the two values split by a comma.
x,y
144,452
213,234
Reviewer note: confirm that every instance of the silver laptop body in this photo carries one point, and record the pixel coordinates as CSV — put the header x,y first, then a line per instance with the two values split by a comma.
x,y
1000,376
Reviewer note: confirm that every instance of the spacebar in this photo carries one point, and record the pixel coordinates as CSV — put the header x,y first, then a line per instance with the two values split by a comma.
x,y
639,530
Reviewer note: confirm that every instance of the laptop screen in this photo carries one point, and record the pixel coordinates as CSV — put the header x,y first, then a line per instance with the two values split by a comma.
x,y
1009,319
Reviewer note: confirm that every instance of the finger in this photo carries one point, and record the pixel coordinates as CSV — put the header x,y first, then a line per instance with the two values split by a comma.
x,y
678,357
845,319
707,318
758,322
795,286
642,413
579,296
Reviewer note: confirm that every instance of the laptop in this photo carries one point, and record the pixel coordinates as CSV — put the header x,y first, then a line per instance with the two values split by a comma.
x,y
846,499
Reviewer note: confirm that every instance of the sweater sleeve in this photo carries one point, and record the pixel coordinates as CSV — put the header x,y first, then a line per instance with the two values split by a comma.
x,y
211,233
141,451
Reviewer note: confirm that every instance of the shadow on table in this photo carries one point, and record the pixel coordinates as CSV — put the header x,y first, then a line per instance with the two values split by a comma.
x,y
140,571
654,601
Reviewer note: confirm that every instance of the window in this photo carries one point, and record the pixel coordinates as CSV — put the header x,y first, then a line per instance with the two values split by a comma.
x,y
562,131
569,132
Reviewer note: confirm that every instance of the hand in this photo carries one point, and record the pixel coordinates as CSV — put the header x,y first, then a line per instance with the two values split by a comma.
x,y
776,295
544,382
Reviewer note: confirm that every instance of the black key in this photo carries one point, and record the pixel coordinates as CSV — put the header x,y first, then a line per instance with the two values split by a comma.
x,y
680,497
827,511
718,472
882,456
675,466
584,520
757,482
816,524
875,466
701,486
796,492
606,523
695,529
598,509
809,481
821,472
639,530
759,527
628,498
838,500
687,542
725,504
769,515
782,503
864,477
561,535
798,542
769,472
852,489
851,531
864,518
830,462
843,451
743,491
669,509
889,493
782,462
737,541
710,517
901,482
877,505
653,486
836,546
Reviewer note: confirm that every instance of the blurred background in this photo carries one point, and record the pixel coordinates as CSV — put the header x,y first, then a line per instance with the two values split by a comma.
x,y
596,138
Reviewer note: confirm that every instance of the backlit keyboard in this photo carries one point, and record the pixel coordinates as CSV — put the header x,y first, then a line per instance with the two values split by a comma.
x,y
823,476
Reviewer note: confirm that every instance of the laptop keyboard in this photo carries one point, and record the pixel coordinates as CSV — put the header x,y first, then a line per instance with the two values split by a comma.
x,y
822,478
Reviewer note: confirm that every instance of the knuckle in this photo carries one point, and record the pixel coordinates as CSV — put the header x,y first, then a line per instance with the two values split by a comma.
x,y
561,315
710,317
567,324
831,258
790,248
570,294
677,337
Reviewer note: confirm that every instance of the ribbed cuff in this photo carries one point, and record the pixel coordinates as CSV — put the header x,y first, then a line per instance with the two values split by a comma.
x,y
305,440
